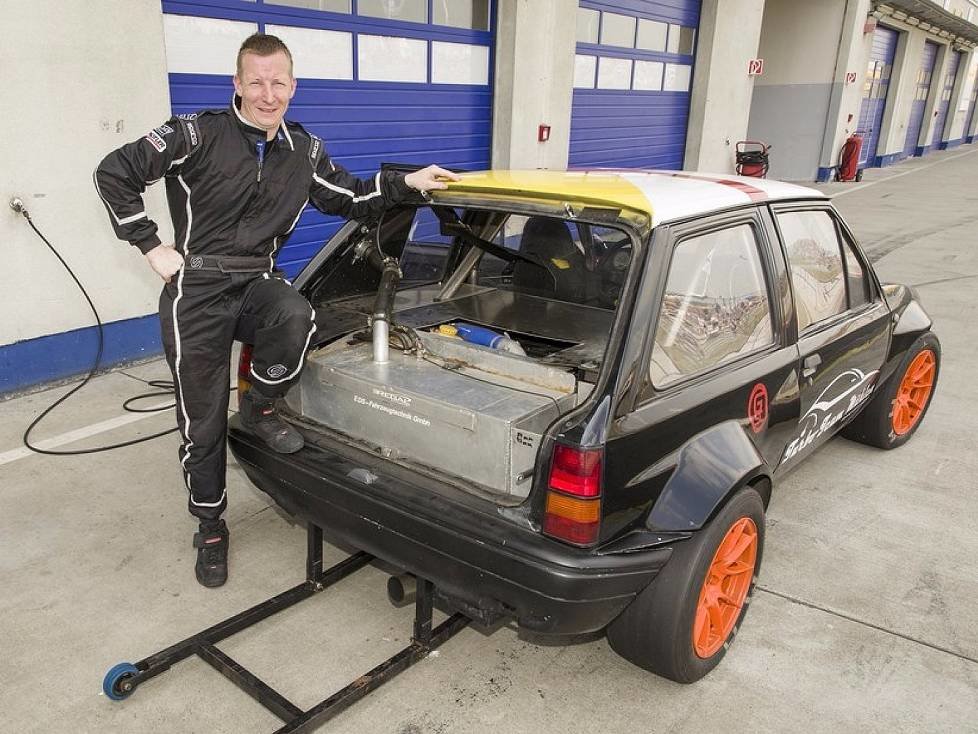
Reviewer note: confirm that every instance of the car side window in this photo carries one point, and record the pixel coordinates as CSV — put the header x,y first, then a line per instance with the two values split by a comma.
x,y
715,307
815,262
856,277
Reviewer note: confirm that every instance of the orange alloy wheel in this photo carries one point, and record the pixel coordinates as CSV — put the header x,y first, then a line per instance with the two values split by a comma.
x,y
727,582
914,392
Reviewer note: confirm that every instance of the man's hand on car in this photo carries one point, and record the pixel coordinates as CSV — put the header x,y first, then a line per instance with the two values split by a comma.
x,y
430,178
165,260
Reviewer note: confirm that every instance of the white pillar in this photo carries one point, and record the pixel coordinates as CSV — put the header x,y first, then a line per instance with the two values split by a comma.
x,y
728,38
533,85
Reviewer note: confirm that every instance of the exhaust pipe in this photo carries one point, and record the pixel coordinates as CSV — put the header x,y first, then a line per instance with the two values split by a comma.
x,y
402,589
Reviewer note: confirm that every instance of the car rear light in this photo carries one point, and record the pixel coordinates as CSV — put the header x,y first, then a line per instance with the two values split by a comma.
x,y
573,520
573,508
576,471
244,371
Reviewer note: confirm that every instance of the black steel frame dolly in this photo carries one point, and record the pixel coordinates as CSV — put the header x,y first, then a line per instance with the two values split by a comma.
x,y
122,679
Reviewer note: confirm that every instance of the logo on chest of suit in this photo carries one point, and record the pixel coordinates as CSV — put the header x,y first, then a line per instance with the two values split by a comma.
x,y
314,151
196,262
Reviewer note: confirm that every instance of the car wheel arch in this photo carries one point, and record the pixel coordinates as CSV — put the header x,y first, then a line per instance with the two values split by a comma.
x,y
710,468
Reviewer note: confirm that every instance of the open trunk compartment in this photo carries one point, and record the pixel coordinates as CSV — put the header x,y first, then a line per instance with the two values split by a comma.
x,y
461,409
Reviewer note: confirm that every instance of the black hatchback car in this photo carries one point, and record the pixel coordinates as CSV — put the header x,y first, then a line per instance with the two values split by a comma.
x,y
565,397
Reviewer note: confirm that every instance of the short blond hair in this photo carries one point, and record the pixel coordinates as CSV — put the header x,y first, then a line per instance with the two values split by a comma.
x,y
263,44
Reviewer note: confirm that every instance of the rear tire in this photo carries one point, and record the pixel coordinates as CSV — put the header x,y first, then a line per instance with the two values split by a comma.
x,y
681,625
898,408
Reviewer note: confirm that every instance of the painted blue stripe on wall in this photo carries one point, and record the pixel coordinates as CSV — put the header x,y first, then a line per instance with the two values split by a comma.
x,y
825,174
882,161
33,362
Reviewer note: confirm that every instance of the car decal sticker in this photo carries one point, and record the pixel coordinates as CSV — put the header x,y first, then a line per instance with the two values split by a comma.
x,y
839,398
757,407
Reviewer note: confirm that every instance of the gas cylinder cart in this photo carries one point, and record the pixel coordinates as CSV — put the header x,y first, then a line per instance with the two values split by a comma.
x,y
122,679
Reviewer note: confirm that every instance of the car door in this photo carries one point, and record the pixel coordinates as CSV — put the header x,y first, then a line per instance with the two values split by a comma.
x,y
842,322
716,354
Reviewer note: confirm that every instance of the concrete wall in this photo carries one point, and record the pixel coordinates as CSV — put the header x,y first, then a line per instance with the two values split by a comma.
x,y
801,104
535,43
721,95
83,83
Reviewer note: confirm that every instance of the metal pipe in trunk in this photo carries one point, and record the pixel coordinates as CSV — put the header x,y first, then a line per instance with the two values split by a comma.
x,y
383,306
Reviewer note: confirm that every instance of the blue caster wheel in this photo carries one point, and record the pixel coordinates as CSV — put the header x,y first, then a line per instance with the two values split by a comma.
x,y
114,684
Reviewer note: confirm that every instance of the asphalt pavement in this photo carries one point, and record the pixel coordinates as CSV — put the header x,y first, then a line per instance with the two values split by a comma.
x,y
865,618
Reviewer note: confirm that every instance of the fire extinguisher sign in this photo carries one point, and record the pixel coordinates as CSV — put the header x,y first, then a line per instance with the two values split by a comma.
x,y
850,78
755,67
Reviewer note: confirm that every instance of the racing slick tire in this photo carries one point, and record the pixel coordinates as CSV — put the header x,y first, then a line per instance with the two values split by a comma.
x,y
896,411
682,624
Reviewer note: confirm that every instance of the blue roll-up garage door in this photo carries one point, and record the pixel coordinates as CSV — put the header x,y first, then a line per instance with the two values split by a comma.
x,y
632,78
875,91
406,81
924,78
944,103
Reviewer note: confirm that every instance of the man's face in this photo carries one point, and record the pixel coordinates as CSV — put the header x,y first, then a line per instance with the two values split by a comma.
x,y
265,86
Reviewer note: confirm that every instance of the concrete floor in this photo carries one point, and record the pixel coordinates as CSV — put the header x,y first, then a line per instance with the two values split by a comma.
x,y
865,619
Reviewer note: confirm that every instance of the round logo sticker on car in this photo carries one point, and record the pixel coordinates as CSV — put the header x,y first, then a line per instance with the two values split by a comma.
x,y
757,407
277,370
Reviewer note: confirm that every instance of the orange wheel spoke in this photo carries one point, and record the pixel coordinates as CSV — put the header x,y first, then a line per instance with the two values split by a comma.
x,y
737,568
727,599
716,617
701,627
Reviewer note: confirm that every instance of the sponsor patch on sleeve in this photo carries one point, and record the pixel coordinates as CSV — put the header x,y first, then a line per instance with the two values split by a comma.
x,y
191,129
156,140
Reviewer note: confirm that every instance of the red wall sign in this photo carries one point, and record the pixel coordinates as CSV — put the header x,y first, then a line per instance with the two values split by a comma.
x,y
755,67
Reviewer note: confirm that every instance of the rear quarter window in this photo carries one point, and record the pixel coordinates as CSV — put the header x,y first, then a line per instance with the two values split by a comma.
x,y
715,308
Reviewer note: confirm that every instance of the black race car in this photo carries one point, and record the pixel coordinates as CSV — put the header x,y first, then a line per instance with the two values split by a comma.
x,y
565,397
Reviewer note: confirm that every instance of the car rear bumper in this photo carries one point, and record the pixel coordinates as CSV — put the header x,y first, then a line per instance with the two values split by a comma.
x,y
462,544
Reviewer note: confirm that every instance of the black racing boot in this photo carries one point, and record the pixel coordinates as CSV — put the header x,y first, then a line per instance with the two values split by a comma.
x,y
212,543
259,416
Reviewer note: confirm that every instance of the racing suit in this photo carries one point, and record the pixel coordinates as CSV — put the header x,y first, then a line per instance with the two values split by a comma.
x,y
234,198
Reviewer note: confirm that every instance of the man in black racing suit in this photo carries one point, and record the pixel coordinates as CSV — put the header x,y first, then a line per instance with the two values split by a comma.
x,y
236,181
